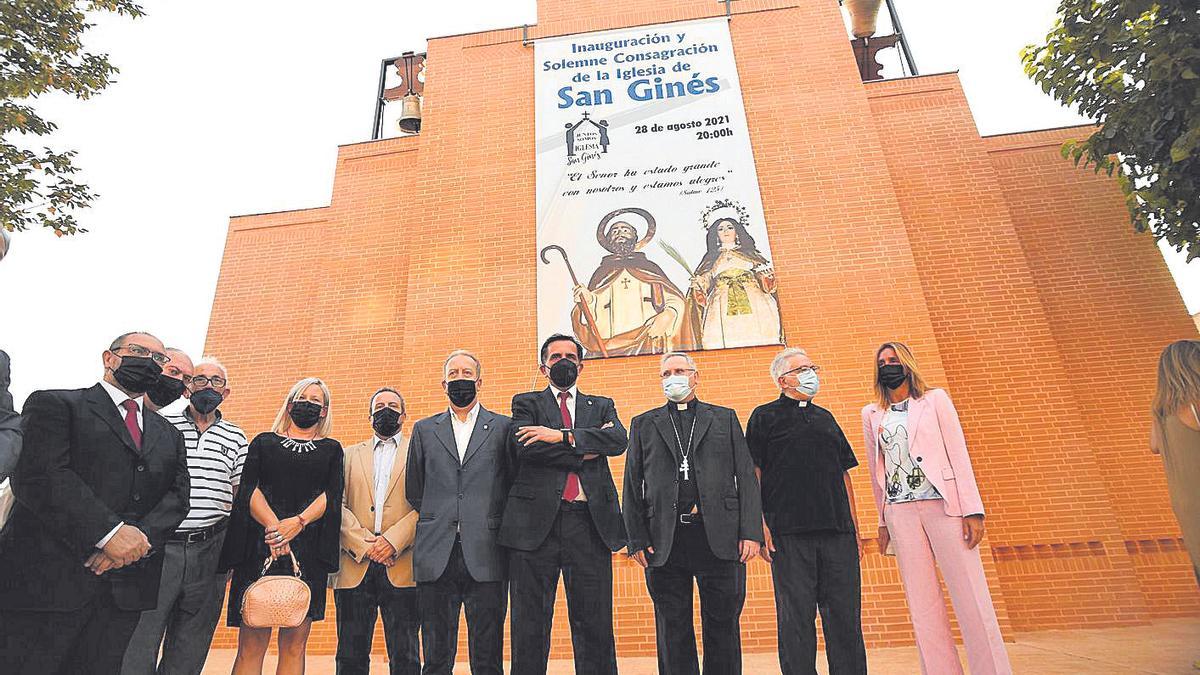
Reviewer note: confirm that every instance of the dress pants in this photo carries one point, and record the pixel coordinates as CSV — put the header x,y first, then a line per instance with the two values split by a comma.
x,y
811,571
90,640
190,596
357,609
927,540
722,586
574,547
486,604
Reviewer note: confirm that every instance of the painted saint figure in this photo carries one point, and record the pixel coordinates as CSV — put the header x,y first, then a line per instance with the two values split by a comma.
x,y
638,310
732,293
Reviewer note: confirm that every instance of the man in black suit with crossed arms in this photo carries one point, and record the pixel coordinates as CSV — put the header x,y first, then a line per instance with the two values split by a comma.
x,y
562,514
100,486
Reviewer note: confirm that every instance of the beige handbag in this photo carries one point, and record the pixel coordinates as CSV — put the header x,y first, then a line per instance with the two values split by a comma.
x,y
276,601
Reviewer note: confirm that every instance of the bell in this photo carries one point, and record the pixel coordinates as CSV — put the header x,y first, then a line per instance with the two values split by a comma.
x,y
410,114
863,16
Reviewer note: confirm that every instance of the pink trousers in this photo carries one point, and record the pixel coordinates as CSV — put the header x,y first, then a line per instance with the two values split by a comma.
x,y
927,540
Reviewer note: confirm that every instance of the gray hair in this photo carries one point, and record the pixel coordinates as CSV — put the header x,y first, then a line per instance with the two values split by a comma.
x,y
5,242
469,355
403,405
208,360
780,362
687,357
177,350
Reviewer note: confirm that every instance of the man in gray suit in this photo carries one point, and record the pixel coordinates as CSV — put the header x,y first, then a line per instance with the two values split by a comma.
x,y
457,479
10,424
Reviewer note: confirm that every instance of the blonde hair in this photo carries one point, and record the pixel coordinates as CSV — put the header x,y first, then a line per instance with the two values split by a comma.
x,y
283,421
916,384
1178,378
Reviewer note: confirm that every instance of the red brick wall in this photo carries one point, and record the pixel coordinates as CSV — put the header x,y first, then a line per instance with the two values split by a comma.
x,y
428,245
1112,306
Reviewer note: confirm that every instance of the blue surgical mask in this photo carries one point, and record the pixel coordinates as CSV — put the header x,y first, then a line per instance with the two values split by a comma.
x,y
676,387
808,383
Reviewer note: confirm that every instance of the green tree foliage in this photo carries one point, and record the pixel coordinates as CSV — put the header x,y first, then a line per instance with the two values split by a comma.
x,y
1133,65
41,51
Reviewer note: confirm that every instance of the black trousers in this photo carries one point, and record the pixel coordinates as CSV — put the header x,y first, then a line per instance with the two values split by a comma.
x,y
575,548
357,609
812,571
722,586
91,640
486,604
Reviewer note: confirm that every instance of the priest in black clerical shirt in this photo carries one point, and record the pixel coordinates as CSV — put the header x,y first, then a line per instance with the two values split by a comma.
x,y
802,458
694,517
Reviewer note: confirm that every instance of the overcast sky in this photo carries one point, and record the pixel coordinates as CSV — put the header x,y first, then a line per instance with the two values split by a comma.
x,y
225,108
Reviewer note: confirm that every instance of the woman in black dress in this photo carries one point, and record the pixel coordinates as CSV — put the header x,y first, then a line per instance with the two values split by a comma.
x,y
289,500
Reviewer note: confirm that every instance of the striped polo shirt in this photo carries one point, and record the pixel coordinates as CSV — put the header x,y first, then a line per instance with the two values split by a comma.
x,y
215,460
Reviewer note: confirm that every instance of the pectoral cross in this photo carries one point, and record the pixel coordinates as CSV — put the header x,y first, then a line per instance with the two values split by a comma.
x,y
685,468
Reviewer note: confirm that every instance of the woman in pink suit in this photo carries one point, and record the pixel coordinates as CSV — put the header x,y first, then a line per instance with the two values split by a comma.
x,y
930,513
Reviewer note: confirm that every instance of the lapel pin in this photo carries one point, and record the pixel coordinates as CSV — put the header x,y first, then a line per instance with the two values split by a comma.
x,y
485,427
589,402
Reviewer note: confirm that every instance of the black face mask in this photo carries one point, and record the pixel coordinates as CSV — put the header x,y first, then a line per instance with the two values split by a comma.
x,y
892,375
563,373
165,391
137,374
206,400
386,422
461,392
305,414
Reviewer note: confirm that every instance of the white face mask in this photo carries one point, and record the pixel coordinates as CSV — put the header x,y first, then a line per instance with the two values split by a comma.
x,y
677,387
808,383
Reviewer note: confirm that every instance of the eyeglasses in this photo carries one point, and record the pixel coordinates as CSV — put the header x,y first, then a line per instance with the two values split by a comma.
x,y
138,350
802,370
202,381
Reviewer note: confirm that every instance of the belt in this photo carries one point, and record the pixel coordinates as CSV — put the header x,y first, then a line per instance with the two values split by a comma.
x,y
691,519
201,534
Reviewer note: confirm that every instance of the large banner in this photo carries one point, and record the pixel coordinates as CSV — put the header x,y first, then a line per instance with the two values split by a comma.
x,y
650,226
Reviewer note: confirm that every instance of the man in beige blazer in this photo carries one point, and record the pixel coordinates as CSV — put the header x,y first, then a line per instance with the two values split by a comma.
x,y
378,528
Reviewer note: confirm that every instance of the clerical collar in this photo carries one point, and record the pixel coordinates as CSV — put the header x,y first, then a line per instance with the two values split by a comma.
x,y
690,405
789,400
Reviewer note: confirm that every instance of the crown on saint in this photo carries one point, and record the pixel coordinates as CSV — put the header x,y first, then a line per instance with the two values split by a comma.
x,y
724,208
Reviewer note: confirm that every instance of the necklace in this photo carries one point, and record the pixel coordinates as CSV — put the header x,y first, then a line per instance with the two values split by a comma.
x,y
684,467
298,446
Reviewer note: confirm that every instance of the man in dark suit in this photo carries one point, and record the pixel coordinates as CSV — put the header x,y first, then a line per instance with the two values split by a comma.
x,y
562,515
693,511
457,480
100,486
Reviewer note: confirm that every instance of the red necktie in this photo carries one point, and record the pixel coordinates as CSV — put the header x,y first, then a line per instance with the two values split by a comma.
x,y
131,423
571,489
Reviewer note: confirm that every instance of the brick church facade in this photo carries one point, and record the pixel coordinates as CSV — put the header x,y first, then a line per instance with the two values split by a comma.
x,y
1015,277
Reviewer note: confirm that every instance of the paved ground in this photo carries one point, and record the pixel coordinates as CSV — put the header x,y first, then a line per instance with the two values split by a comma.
x,y
1162,648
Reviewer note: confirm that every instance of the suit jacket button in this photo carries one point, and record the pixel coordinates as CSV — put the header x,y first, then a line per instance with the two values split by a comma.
x,y
460,495
141,467
372,509
137,498
918,459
